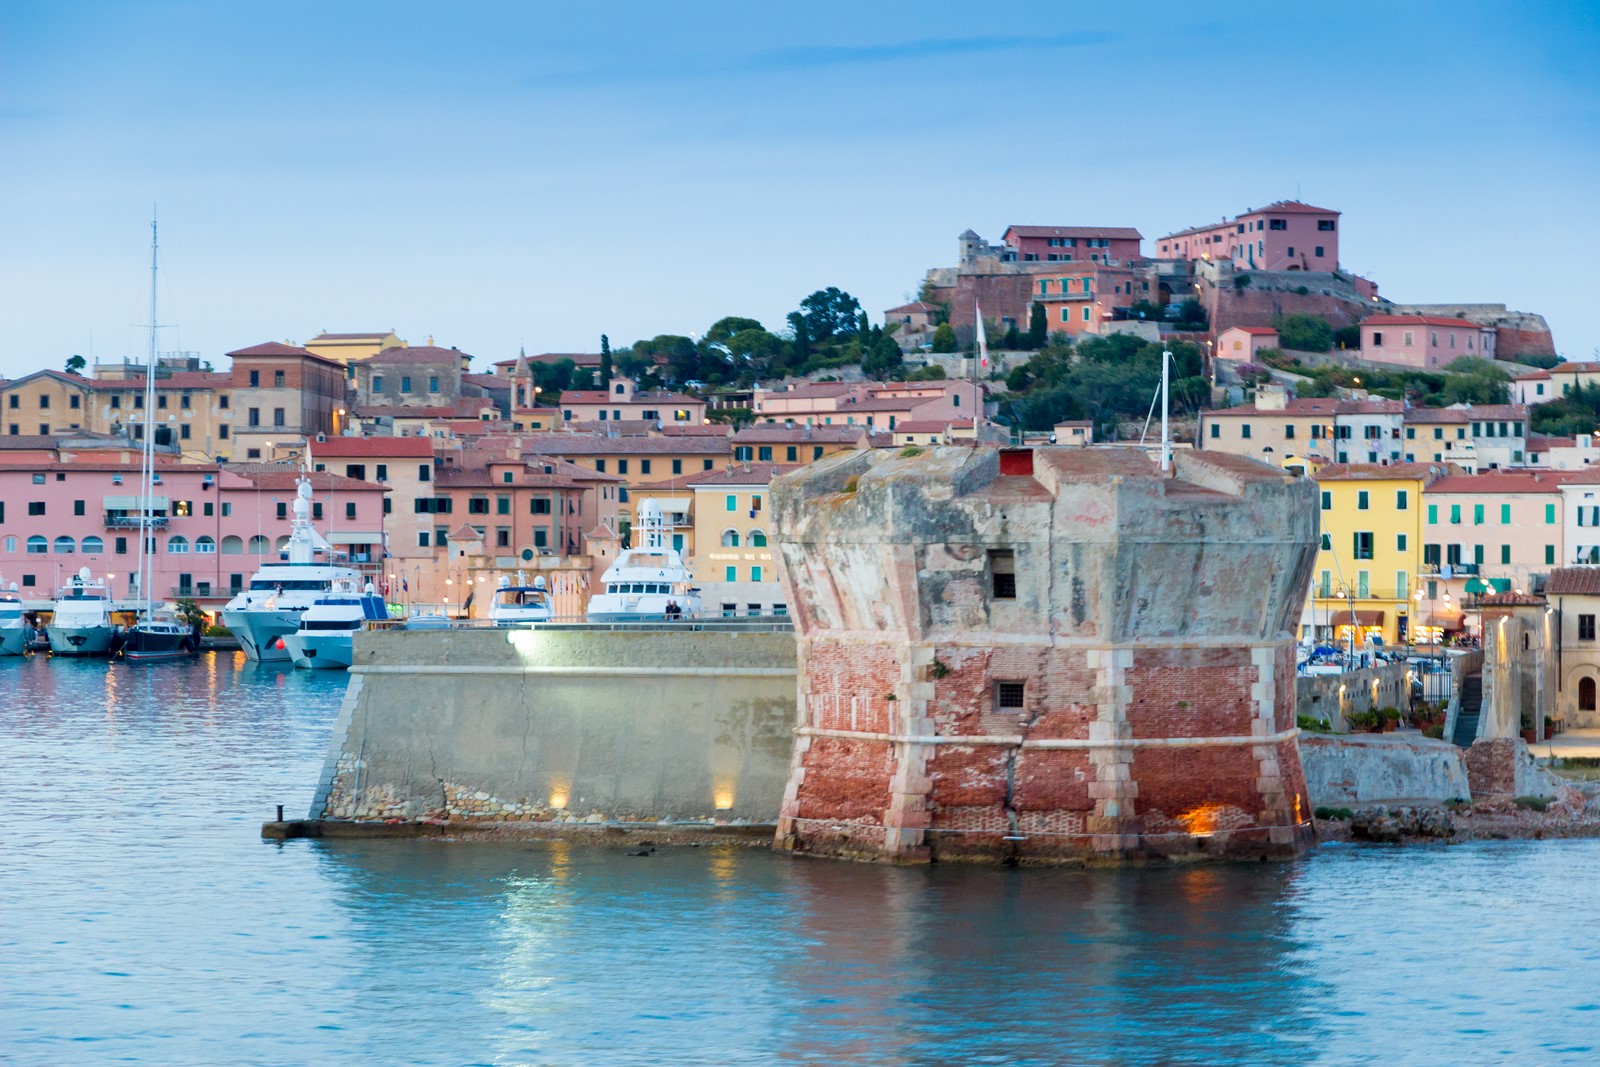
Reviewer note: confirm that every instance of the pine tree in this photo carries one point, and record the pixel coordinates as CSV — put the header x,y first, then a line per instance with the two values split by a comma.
x,y
1038,327
605,362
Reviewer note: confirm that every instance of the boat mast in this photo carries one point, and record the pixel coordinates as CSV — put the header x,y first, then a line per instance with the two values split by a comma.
x,y
147,456
1166,433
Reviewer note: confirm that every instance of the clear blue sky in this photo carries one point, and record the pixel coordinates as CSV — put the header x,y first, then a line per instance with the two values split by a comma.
x,y
500,174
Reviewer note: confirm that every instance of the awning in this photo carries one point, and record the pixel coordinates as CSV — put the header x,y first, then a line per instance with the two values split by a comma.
x,y
1362,618
345,537
135,503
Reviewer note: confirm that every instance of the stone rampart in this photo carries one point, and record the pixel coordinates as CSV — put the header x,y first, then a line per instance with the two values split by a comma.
x,y
563,725
1335,697
1390,769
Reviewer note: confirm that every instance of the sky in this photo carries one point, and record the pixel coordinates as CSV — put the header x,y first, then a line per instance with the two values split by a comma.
x,y
520,174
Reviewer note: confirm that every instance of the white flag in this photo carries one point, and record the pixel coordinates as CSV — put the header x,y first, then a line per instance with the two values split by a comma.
x,y
983,342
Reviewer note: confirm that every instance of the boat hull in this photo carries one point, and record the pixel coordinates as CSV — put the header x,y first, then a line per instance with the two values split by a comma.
x,y
140,646
324,651
260,631
15,640
80,640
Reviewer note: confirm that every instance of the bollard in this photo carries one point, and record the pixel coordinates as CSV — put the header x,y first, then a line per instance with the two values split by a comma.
x,y
280,812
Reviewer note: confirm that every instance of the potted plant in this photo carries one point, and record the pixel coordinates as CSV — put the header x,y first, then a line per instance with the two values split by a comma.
x,y
1527,728
1549,726
1390,718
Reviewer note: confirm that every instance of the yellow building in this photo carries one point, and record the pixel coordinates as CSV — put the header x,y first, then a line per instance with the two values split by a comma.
x,y
348,347
730,551
1371,552
191,407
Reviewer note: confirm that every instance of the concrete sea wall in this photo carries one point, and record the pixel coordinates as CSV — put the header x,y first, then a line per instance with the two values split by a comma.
x,y
1367,769
568,724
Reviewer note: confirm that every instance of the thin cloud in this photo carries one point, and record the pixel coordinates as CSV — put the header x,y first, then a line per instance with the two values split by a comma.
x,y
839,55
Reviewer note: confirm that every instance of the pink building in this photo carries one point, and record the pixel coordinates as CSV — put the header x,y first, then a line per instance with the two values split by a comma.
x,y
215,525
1081,299
1287,235
622,402
879,405
1423,341
1074,244
1242,343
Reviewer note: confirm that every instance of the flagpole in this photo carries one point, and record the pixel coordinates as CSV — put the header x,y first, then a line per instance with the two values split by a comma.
x,y
981,353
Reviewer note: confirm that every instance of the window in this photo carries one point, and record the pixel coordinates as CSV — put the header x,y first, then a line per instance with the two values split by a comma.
x,y
1402,500
253,417
77,507
677,466
38,546
1505,553
1216,431
1002,574
1325,225
1455,514
1327,542
707,465
1363,544
1327,500
277,417
1319,251
644,466
1433,514
36,507
622,466
350,509
255,378
1288,432
1399,542
178,545
731,574
755,574
1549,555
730,538
377,385
44,402
731,502
424,471
1277,224
600,465
539,505
65,546
433,384
422,539
1477,554
1362,500
1010,698
283,510
478,505
1585,627
1505,514
1244,431
1477,514
1586,689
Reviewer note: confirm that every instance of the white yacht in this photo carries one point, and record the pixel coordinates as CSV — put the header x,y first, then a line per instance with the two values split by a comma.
x,y
326,638
516,604
80,620
16,636
266,613
647,582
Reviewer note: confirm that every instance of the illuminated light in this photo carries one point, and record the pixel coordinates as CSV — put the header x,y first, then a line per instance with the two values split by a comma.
x,y
280,644
723,798
559,798
1204,820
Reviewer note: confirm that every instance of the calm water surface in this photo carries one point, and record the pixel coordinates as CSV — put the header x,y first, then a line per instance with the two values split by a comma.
x,y
143,921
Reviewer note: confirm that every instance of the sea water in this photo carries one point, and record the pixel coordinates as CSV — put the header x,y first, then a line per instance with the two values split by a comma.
x,y
144,921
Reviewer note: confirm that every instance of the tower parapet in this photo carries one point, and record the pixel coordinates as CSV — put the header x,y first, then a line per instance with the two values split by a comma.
x,y
1056,654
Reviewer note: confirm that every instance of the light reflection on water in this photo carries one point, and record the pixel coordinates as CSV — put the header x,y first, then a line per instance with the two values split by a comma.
x,y
143,921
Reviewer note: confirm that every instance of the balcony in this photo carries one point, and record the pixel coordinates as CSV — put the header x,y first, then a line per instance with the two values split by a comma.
x,y
198,589
1063,296
115,521
1457,570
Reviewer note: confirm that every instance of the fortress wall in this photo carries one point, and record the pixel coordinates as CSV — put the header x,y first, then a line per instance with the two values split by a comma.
x,y
563,724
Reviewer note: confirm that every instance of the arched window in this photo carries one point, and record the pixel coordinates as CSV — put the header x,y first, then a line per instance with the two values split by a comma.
x,y
37,546
11,544
283,543
205,546
258,545
758,539
232,545
730,538
1586,695
92,546
65,546
178,545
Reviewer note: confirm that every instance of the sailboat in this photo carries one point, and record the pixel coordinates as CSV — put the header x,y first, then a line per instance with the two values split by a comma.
x,y
157,633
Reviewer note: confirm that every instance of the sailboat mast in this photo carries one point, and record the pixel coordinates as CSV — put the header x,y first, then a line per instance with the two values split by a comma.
x,y
1166,433
147,454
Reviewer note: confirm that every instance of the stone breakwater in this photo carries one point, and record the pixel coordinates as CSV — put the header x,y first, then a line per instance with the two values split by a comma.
x,y
1573,813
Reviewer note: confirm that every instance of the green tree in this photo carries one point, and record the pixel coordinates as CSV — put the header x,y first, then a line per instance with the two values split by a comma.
x,y
1305,333
76,365
680,353
1038,326
1347,337
927,374
553,377
800,346
605,362
725,328
830,314
944,338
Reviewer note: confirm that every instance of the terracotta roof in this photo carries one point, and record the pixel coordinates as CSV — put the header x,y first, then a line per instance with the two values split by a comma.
x,y
1499,481
932,425
187,379
777,433
1509,600
810,389
415,354
1536,374
739,474
1318,405
468,408
1421,320
352,447
1259,331
695,429
273,348
1427,472
1277,207
915,305
1573,581
1576,368
1122,233
1543,443
277,476
619,427
559,443
484,478
1473,413
1438,415
600,396
350,336
487,381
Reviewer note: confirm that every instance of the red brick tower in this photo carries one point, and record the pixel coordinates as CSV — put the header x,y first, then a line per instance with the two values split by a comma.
x,y
1045,655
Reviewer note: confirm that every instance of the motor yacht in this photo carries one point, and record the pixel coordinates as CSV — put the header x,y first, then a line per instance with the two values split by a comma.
x,y
16,636
516,604
80,619
647,582
269,611
326,637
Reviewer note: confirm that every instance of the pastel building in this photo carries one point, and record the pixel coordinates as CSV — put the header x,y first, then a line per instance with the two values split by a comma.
x,y
732,559
623,400
282,395
1286,235
214,525
1073,244
1278,428
1423,341
878,405
1085,297
1533,387
1490,533
914,324
1242,344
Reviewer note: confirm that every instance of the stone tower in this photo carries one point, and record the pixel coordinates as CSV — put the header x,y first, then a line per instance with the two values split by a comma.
x,y
1058,654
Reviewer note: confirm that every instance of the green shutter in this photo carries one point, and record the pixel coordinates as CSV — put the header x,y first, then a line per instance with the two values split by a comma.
x,y
1477,514
1549,519
1505,514
1433,514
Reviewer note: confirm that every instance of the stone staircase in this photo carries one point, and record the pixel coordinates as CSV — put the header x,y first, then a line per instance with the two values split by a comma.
x,y
1471,708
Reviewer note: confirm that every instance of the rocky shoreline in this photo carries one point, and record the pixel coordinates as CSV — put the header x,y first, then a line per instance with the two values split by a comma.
x,y
1573,812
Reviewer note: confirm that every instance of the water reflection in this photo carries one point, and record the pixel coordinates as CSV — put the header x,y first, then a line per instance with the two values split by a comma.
x,y
156,928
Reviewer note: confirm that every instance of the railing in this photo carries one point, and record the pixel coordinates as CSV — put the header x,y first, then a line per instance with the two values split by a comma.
x,y
199,589
1457,570
131,522
700,623
1063,296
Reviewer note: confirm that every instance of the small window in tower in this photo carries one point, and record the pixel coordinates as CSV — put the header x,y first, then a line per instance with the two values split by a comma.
x,y
1009,697
1002,574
